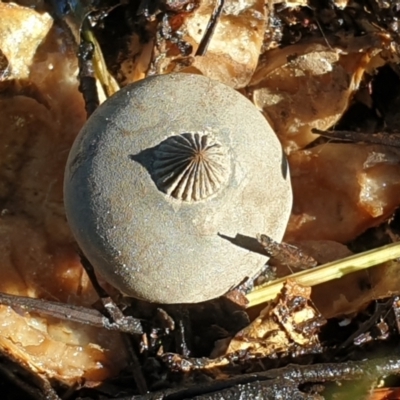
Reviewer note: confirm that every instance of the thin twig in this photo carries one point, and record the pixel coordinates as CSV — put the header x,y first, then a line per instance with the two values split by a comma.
x,y
281,382
383,138
127,324
117,318
212,24
380,308
68,312
286,254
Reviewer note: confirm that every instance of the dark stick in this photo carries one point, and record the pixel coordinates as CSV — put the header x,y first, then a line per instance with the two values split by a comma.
x,y
117,318
87,80
45,393
135,366
286,254
35,385
384,138
380,309
281,382
68,312
212,23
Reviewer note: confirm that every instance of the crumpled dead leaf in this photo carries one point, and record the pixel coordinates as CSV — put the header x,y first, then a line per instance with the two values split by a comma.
x,y
37,252
289,324
22,29
308,85
340,190
233,52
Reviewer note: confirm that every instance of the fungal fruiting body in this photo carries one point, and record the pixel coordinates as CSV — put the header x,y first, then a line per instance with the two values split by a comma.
x,y
190,166
168,183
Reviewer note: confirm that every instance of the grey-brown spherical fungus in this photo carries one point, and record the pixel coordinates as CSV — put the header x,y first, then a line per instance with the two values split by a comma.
x,y
167,183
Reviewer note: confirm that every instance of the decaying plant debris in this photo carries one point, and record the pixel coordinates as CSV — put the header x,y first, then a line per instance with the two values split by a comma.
x,y
308,67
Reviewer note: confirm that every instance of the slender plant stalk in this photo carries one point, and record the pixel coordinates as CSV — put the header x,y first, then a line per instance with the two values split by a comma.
x,y
326,272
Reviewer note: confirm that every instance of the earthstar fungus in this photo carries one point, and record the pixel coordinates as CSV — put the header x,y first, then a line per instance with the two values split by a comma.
x,y
168,183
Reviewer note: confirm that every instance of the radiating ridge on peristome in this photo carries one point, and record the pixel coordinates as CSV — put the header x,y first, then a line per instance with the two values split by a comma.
x,y
190,166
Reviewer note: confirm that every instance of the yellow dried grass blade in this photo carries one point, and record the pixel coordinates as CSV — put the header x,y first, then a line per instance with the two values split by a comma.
x,y
326,272
107,81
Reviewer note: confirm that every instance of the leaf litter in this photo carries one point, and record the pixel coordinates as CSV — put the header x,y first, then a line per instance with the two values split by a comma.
x,y
305,68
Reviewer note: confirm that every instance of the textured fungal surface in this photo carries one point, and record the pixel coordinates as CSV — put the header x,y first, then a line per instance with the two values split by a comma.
x,y
168,184
190,166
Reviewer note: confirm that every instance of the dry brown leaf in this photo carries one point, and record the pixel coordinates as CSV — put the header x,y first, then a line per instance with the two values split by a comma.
x,y
21,31
290,323
306,86
338,193
38,257
352,293
340,190
233,52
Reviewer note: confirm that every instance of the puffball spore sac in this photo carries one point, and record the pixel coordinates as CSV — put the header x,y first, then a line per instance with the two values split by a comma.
x,y
167,185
